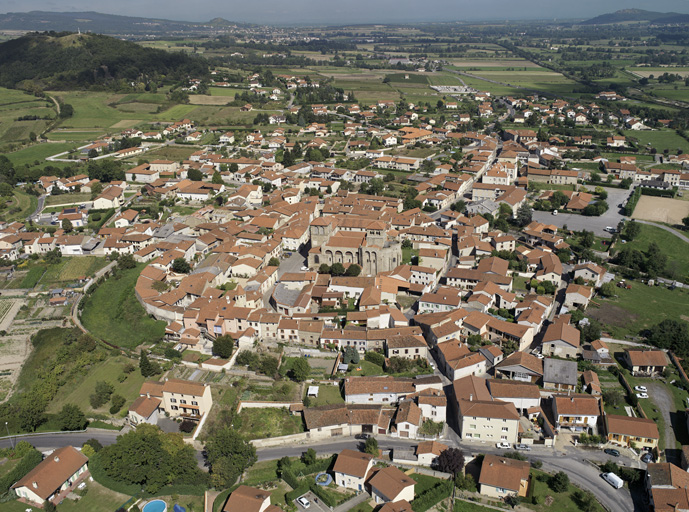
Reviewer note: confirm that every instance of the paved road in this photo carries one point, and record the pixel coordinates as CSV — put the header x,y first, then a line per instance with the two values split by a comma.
x,y
39,208
624,342
577,222
666,406
666,228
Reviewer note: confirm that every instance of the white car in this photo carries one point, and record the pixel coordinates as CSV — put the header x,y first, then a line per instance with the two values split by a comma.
x,y
303,502
304,269
554,212
640,388
504,445
642,395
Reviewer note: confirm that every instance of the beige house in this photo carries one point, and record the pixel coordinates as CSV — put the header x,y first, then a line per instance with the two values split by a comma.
x,y
53,477
646,362
577,413
176,397
488,420
578,296
590,272
390,485
351,469
562,340
625,430
249,499
501,477
408,346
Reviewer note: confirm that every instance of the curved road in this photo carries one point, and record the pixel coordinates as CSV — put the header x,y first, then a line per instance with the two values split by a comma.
x,y
572,460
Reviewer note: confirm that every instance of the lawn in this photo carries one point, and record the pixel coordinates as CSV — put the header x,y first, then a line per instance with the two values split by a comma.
x,y
464,506
261,472
367,369
327,395
261,423
423,482
677,250
78,198
95,499
79,390
25,203
71,269
38,153
635,310
563,500
659,139
113,313
408,254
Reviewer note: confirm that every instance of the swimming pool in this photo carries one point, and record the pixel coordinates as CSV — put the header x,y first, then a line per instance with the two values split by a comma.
x,y
155,506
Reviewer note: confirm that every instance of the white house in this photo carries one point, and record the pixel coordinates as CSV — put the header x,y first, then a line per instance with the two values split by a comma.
x,y
351,469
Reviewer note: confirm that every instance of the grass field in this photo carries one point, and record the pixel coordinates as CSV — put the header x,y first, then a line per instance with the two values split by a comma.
x,y
327,395
113,313
15,104
79,391
25,203
637,309
564,500
77,198
38,152
71,269
96,499
260,423
676,249
659,139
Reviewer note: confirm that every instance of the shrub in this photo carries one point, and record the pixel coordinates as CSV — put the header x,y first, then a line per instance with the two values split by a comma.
x,y
187,426
559,482
375,358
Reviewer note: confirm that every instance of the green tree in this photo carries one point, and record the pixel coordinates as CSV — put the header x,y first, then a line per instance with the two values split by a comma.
x,y
217,178
145,365
67,225
228,456
465,482
587,239
371,446
71,417
49,506
524,215
6,190
351,356
607,289
309,457
613,397
559,482
116,403
685,221
223,346
103,391
324,269
631,230
181,266
274,262
353,270
670,334
337,269
301,370
126,261
194,175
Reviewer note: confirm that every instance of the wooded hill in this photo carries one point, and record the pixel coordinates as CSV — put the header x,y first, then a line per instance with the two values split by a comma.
x,y
66,60
638,16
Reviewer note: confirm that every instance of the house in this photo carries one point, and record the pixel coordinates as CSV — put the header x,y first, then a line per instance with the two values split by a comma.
x,y
53,478
144,409
578,413
190,400
520,366
559,374
408,419
390,485
667,486
457,361
501,477
351,469
522,395
562,340
487,420
625,430
249,499
427,452
578,296
645,362
398,506
408,346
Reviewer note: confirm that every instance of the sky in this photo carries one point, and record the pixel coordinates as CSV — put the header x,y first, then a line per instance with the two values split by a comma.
x,y
337,12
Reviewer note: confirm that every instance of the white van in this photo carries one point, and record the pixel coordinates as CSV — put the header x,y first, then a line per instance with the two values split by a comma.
x,y
554,212
613,480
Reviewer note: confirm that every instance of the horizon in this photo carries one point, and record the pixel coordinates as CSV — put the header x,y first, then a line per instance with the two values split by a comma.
x,y
385,12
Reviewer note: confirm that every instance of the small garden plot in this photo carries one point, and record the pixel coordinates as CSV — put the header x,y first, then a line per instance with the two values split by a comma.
x,y
263,423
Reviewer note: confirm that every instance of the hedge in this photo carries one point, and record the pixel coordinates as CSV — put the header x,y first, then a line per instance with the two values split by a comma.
x,y
26,464
658,192
319,466
289,477
432,496
298,491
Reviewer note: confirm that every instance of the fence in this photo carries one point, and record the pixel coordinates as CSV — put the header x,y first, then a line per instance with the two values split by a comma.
x,y
251,404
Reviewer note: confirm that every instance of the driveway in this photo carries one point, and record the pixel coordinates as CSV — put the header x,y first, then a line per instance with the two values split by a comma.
x,y
315,504
578,222
665,404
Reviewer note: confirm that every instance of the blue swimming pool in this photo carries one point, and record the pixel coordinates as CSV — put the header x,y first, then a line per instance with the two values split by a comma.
x,y
155,506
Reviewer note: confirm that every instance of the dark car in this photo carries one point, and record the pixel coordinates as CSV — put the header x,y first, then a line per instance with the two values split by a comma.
x,y
611,451
647,458
361,436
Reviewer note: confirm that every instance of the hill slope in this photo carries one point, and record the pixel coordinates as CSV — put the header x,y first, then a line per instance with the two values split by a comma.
x,y
637,15
67,60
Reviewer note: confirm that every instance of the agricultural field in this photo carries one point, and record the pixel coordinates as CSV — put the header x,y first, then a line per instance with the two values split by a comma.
x,y
15,104
659,139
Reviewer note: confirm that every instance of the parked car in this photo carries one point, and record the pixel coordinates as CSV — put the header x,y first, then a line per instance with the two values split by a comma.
x,y
361,436
504,445
647,457
303,501
523,447
554,212
640,388
613,480
642,395
304,269
612,451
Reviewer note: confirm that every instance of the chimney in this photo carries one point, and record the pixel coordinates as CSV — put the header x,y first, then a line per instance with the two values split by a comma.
x,y
471,397
35,485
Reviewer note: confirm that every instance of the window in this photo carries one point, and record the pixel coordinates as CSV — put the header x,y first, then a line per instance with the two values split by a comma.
x,y
173,400
504,429
182,401
174,408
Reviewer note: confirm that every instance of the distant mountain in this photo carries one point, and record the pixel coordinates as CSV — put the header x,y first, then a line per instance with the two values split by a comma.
x,y
104,23
638,15
66,60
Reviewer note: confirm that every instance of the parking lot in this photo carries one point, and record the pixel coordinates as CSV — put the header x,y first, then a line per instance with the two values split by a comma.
x,y
577,222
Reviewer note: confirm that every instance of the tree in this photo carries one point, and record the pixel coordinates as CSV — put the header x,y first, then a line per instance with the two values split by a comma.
x,y
274,262
223,346
67,225
685,221
585,501
228,456
324,269
371,446
607,289
309,457
116,403
103,391
590,331
181,266
194,175
587,239
351,356
49,506
71,417
6,189
559,482
301,370
613,397
337,269
353,270
451,461
465,482
145,365
217,178
632,230
670,334
126,261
